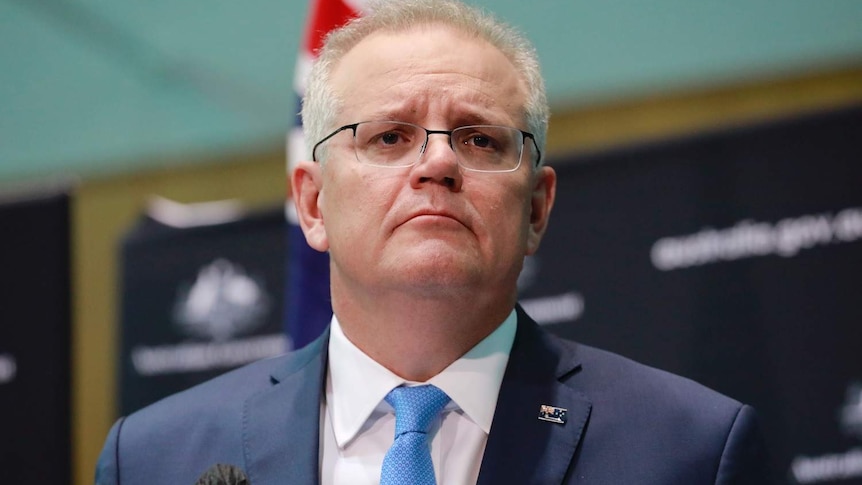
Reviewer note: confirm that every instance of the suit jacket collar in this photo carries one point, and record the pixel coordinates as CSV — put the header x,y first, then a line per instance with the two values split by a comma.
x,y
521,448
281,425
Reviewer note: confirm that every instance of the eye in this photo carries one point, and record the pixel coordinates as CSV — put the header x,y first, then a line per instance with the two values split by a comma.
x,y
390,138
385,134
386,143
480,141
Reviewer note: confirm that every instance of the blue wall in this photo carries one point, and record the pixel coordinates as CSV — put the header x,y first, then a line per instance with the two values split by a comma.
x,y
94,88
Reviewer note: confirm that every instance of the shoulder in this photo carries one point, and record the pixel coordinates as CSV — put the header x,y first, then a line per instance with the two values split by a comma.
x,y
659,415
227,392
670,426
201,425
607,373
623,388
671,423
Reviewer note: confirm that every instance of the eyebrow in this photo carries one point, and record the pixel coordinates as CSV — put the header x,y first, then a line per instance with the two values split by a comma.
x,y
476,119
403,110
466,119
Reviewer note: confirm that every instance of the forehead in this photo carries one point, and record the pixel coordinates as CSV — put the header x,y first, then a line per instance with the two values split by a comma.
x,y
427,71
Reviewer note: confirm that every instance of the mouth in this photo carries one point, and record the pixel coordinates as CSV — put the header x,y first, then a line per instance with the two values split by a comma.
x,y
434,218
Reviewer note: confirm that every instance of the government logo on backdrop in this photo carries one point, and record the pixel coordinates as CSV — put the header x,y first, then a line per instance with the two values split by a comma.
x,y
222,309
223,302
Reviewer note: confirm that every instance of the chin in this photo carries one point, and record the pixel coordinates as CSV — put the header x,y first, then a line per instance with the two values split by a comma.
x,y
440,275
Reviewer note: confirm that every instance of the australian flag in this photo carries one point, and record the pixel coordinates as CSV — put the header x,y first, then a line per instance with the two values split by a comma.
x,y
308,309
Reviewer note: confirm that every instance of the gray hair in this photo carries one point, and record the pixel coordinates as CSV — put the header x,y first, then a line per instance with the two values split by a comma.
x,y
321,105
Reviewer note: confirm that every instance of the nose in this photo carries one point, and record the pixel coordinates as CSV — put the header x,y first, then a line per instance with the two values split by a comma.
x,y
437,165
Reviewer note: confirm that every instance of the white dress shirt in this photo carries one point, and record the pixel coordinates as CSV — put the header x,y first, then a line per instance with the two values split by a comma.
x,y
359,425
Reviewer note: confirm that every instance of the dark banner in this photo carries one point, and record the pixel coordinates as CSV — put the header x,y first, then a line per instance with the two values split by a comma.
x,y
734,259
34,338
198,301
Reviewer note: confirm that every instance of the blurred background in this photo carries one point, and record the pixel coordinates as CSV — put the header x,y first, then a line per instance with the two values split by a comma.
x,y
104,105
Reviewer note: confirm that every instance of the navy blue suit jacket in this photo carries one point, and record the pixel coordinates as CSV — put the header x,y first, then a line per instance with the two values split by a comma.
x,y
627,424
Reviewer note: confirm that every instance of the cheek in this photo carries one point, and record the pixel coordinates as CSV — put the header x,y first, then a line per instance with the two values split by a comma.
x,y
506,219
354,209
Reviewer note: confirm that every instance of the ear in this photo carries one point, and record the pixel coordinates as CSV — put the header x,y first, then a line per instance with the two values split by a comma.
x,y
542,200
307,185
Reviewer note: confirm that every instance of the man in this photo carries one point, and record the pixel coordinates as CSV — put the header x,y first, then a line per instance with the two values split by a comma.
x,y
427,188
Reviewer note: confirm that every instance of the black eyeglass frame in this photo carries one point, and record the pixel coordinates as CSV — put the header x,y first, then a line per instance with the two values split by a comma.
x,y
428,133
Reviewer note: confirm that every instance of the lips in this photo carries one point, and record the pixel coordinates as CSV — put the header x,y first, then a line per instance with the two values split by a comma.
x,y
432,215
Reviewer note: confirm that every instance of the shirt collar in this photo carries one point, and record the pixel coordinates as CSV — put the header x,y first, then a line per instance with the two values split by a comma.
x,y
359,383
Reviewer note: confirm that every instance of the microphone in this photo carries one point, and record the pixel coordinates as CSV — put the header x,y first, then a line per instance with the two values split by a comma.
x,y
221,474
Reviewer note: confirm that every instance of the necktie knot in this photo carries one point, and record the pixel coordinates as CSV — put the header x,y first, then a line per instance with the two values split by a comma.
x,y
416,407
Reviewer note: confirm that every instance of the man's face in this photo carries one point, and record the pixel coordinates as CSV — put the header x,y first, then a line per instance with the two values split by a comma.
x,y
434,227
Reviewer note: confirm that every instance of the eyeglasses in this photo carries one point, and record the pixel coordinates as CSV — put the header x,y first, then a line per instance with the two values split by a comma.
x,y
395,144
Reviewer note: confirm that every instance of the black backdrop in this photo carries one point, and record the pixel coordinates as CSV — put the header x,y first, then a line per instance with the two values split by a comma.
x,y
34,338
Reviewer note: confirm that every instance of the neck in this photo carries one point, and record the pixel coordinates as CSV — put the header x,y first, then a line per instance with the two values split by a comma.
x,y
417,336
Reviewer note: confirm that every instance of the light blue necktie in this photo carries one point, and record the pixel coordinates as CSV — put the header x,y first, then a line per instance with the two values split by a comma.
x,y
408,460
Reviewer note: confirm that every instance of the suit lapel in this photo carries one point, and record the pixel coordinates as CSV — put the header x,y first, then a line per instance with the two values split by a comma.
x,y
521,448
281,438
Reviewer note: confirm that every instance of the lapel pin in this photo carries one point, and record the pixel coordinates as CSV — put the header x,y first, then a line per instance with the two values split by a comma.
x,y
553,414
